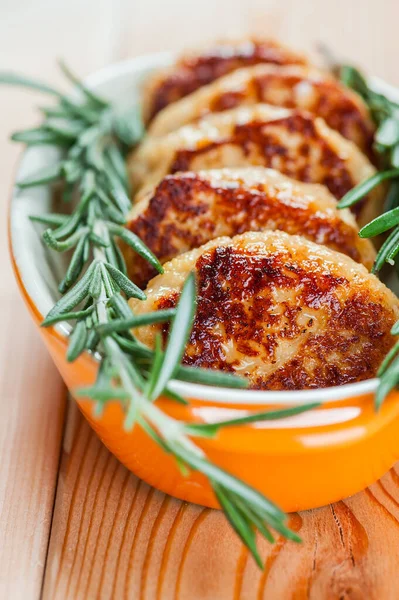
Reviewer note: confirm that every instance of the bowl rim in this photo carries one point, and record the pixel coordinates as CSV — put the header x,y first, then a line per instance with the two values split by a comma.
x,y
212,394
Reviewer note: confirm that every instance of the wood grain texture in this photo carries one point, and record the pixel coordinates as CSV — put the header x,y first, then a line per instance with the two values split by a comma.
x,y
112,536
31,421
115,537
32,393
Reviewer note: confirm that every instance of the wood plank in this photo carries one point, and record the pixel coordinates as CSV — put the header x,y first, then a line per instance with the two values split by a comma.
x,y
31,418
115,537
32,400
32,393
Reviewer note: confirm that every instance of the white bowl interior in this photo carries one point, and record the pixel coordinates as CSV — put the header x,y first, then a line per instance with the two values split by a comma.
x,y
41,269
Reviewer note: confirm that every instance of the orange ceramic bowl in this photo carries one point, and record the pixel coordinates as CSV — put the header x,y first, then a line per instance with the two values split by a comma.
x,y
299,462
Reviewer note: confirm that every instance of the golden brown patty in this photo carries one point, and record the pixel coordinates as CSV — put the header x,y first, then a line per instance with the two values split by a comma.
x,y
187,210
294,142
280,310
194,70
287,86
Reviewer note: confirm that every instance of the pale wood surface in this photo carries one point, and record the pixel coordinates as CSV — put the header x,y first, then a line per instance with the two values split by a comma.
x,y
112,536
115,537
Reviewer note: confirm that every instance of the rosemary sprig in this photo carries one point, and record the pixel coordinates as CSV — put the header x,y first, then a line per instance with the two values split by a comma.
x,y
386,146
93,141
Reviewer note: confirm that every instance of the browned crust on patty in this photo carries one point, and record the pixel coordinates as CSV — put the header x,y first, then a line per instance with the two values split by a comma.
x,y
260,143
197,69
294,142
288,86
285,312
187,210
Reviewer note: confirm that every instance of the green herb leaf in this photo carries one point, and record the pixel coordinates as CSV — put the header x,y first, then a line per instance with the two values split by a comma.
x,y
95,284
14,79
49,219
45,175
131,290
130,127
137,244
102,394
120,259
395,329
68,129
156,364
211,429
178,337
120,325
77,341
117,189
380,224
211,377
395,156
75,266
361,190
254,519
168,393
239,522
388,381
52,242
116,159
120,306
351,77
392,198
185,373
263,507
71,298
389,357
68,316
38,136
384,252
94,98
388,132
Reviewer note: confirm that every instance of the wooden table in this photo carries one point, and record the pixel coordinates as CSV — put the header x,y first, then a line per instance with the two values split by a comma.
x,y
74,523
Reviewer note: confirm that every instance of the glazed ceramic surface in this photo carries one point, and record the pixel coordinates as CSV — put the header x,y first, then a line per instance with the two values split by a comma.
x,y
300,462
